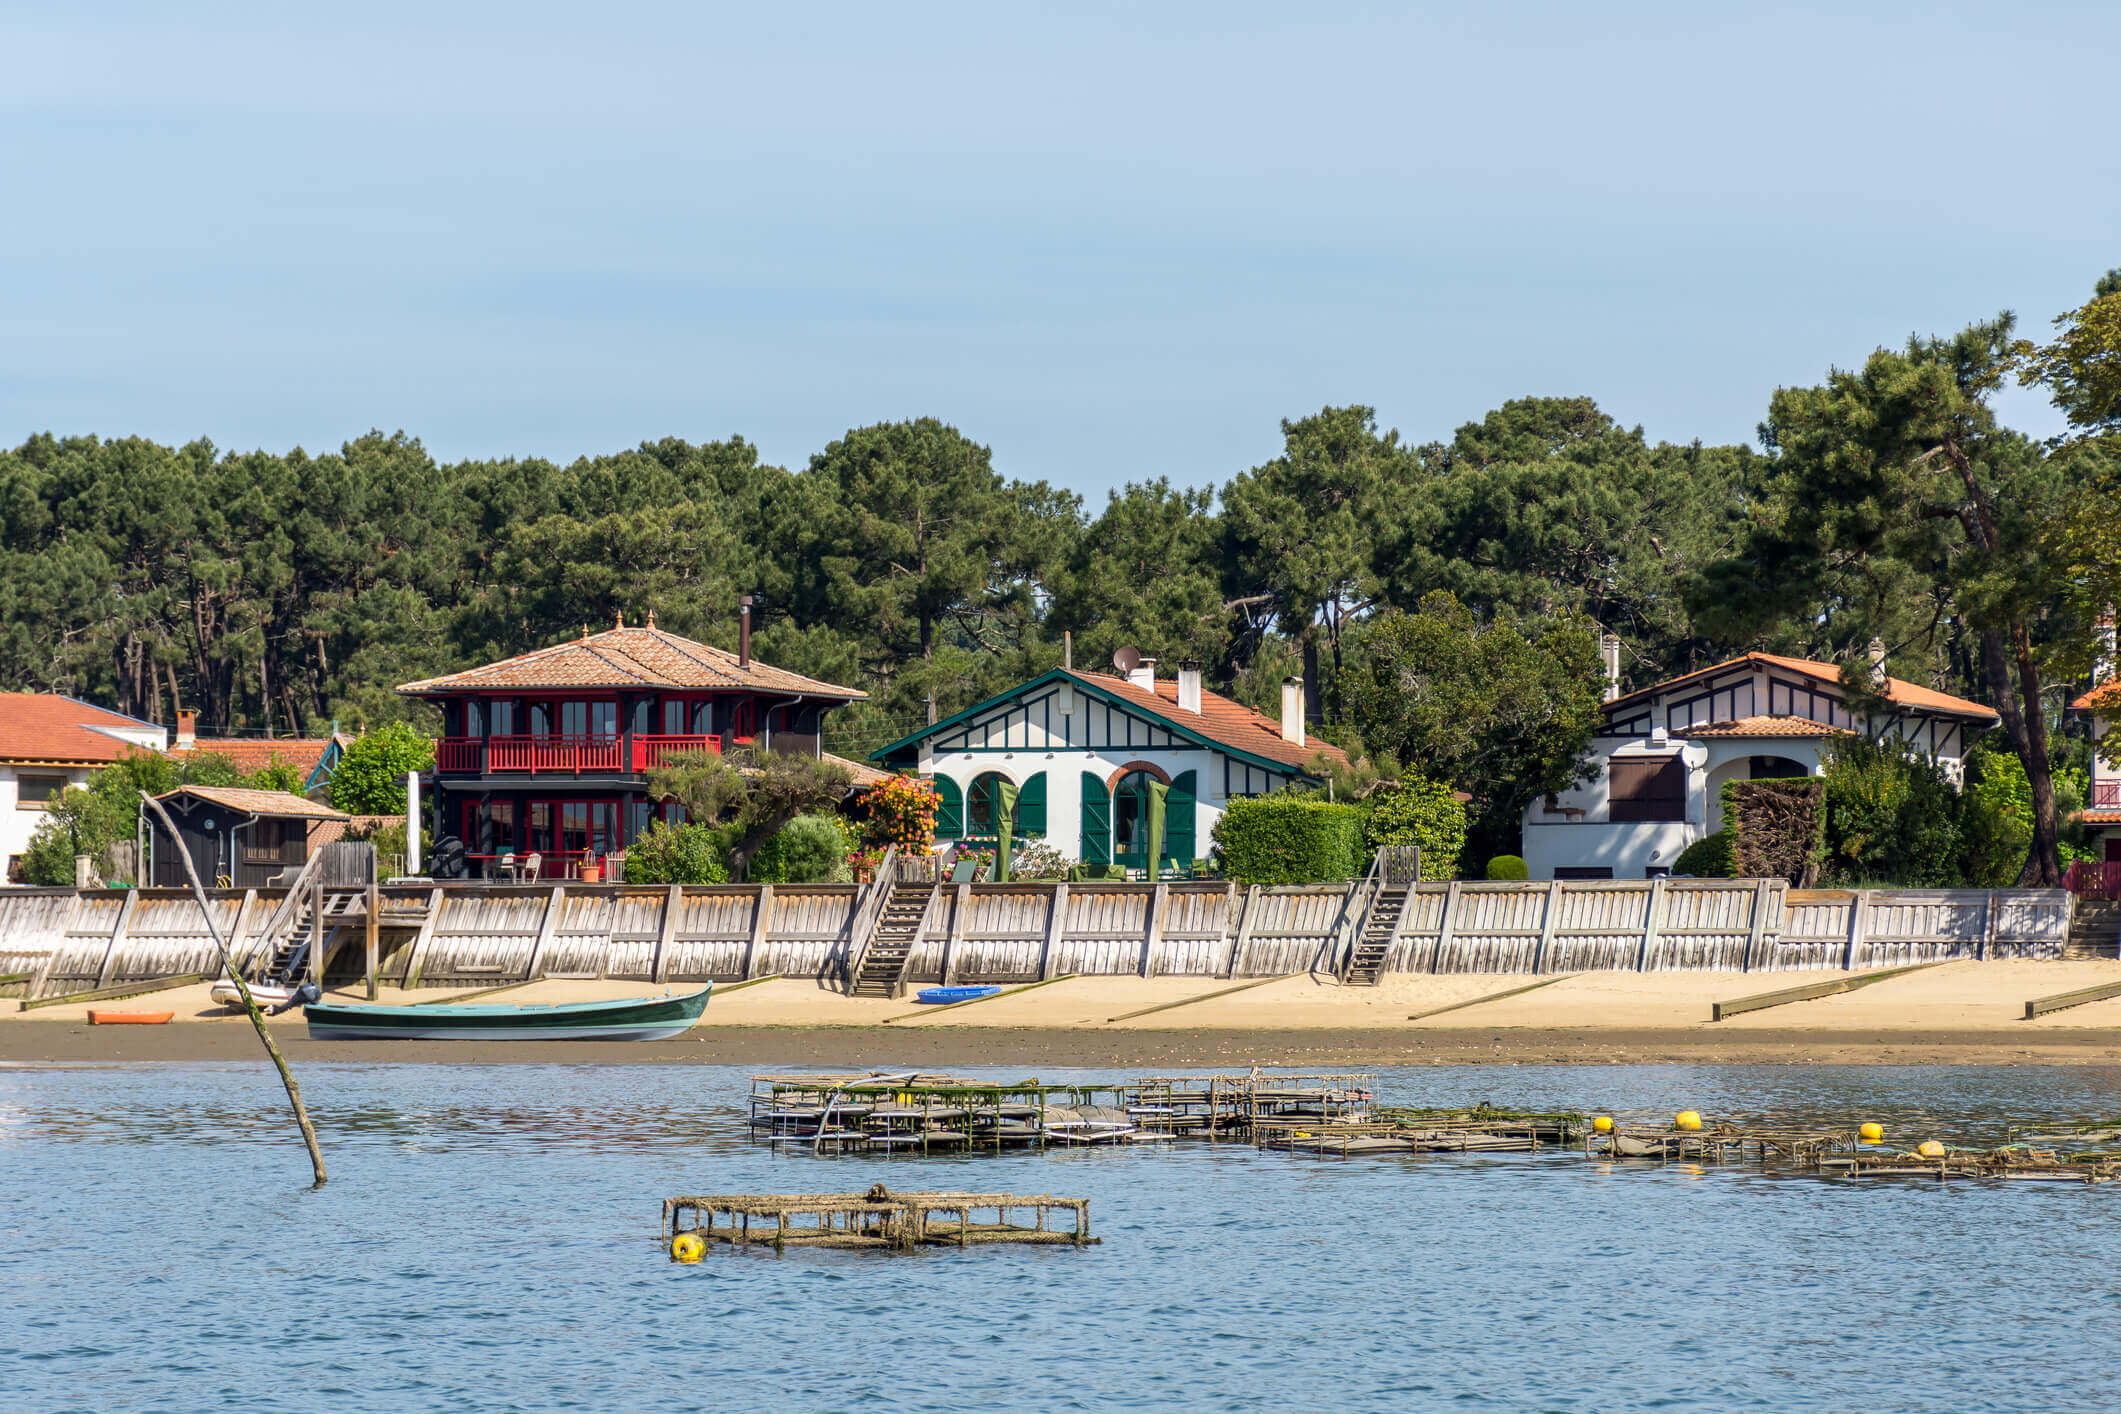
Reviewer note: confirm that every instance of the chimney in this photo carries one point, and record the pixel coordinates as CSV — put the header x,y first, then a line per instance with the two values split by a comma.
x,y
1143,674
1609,654
187,729
743,631
1876,653
1189,685
1292,710
1068,650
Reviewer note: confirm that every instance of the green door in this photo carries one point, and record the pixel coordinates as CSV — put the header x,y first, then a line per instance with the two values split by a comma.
x,y
1097,821
1179,848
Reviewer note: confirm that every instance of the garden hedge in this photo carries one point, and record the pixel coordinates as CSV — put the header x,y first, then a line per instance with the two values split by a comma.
x,y
1289,839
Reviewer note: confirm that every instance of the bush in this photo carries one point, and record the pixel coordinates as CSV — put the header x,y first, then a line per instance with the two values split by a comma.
x,y
1706,858
1891,815
1036,859
1289,839
688,854
1996,819
370,778
1508,866
1418,812
899,811
810,849
1776,826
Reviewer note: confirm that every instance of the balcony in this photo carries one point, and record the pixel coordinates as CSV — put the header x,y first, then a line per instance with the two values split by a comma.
x,y
2106,795
563,755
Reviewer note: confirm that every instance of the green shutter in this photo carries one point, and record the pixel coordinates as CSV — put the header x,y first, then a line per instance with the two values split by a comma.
x,y
950,813
1097,821
1031,806
1178,821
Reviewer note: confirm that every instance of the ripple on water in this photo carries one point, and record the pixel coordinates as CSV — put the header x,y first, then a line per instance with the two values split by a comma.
x,y
489,1240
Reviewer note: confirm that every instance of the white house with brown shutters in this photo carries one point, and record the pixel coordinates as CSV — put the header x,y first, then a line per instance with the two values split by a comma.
x,y
1665,753
1081,749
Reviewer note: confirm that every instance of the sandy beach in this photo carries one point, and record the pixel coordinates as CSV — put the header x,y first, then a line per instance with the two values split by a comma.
x,y
1958,1013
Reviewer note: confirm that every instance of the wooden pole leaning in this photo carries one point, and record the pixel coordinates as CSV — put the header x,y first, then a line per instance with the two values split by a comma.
x,y
250,1003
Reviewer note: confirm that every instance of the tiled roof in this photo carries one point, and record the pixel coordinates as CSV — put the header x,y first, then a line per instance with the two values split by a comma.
x,y
1220,720
43,726
2106,694
332,831
630,657
253,754
863,776
1898,691
2099,817
259,802
1766,726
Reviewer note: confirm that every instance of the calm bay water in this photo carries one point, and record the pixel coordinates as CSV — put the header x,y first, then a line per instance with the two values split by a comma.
x,y
489,1239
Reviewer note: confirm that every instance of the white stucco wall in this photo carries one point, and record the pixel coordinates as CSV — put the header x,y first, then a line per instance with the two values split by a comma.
x,y
1064,771
17,824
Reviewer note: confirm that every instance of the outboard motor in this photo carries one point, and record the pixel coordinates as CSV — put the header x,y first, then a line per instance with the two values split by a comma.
x,y
302,996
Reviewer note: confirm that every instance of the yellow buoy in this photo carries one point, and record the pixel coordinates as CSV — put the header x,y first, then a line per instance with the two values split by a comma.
x,y
1603,1124
1687,1119
687,1247
1930,1149
1871,1133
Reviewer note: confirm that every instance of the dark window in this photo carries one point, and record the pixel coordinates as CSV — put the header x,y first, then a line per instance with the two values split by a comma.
x,y
1584,871
1648,788
471,716
981,812
504,718
673,716
604,719
702,719
540,719
574,719
35,792
643,716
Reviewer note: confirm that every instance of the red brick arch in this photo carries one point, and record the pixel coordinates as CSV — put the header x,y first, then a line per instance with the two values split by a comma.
x,y
1112,781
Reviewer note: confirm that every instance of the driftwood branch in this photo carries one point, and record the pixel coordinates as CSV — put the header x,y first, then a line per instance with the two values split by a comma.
x,y
250,1003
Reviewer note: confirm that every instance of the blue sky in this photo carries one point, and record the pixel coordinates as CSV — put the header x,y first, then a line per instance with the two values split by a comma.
x,y
1112,242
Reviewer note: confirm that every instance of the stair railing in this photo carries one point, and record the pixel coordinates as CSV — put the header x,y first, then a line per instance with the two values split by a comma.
x,y
261,944
861,932
1355,916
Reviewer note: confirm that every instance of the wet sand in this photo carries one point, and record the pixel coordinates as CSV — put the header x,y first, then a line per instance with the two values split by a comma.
x,y
1963,1013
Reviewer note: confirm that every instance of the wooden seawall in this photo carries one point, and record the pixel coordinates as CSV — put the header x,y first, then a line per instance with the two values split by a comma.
x,y
63,940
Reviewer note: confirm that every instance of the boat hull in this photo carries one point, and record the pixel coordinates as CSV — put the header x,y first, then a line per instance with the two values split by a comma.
x,y
625,1019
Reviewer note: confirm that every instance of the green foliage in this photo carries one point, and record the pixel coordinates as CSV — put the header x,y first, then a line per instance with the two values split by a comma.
x,y
1508,866
1706,858
1892,816
899,810
277,775
1500,710
1035,859
748,796
1289,839
370,779
684,854
1419,812
89,819
810,849
1996,819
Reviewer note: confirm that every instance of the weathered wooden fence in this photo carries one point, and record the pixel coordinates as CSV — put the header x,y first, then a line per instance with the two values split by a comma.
x,y
469,935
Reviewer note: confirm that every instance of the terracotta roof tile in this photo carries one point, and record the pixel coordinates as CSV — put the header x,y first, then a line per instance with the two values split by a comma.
x,y
43,726
1898,690
259,802
1766,726
863,776
1220,720
2106,694
2100,817
629,657
253,754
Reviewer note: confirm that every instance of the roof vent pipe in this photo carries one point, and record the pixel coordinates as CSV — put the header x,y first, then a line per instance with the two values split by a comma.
x,y
1189,685
1292,710
1609,654
743,631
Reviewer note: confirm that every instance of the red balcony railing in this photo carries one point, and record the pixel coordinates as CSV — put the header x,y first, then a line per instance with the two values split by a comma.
x,y
651,752
2106,794
2092,878
569,755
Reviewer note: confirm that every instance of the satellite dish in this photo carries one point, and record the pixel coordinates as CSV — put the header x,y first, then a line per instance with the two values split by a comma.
x,y
1127,660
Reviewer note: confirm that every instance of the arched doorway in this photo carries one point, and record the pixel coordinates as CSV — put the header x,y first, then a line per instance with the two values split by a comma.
x,y
1130,820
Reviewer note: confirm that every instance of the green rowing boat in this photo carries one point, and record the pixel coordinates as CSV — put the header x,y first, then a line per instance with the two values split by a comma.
x,y
622,1019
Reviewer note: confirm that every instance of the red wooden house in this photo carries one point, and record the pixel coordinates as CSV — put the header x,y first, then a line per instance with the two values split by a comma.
x,y
549,753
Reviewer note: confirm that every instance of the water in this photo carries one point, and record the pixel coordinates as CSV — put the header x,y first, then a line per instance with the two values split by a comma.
x,y
490,1240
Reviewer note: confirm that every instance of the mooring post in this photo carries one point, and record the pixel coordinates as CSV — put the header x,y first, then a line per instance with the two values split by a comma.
x,y
1856,927
316,929
1650,924
1548,917
372,935
1444,925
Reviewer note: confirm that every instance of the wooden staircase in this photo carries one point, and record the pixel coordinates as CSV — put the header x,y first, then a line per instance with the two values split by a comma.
x,y
2094,930
1380,929
898,928
1383,898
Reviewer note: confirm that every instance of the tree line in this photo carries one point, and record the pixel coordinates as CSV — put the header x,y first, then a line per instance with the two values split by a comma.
x,y
275,593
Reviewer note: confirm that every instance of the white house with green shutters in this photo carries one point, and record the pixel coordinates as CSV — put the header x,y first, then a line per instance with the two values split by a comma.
x,y
1083,748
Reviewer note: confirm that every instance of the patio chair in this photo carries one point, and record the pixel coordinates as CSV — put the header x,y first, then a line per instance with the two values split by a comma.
x,y
532,868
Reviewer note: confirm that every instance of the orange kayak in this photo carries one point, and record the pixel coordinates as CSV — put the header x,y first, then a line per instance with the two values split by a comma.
x,y
101,1016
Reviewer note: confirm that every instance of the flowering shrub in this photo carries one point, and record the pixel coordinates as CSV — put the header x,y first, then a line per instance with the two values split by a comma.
x,y
899,810
1038,860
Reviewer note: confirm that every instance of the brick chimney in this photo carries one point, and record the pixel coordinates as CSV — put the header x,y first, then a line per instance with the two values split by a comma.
x,y
743,631
1189,685
1292,710
187,729
1143,675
